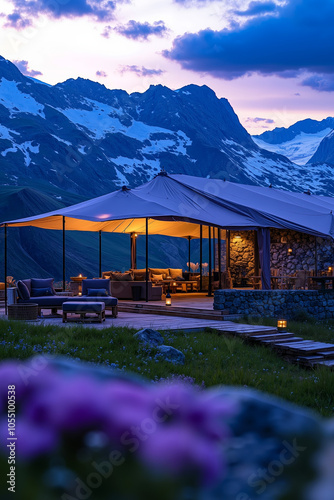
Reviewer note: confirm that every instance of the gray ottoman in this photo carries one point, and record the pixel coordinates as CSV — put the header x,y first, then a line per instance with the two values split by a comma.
x,y
82,308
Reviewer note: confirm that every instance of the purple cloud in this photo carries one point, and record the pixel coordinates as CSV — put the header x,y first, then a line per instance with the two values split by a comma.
x,y
141,31
300,37
142,71
23,67
257,120
101,74
321,83
106,32
25,12
257,9
15,19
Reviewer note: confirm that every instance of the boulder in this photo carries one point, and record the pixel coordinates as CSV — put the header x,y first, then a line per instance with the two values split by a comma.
x,y
149,336
171,354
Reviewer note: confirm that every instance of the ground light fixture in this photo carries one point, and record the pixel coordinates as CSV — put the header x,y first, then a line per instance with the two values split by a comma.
x,y
282,325
168,299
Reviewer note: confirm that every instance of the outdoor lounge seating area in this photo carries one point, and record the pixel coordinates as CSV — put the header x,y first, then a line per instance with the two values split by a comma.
x,y
42,293
132,283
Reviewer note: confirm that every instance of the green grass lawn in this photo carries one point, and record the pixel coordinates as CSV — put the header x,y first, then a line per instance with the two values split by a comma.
x,y
211,358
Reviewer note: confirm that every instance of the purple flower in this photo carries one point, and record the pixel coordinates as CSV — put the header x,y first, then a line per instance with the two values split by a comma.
x,y
176,449
73,404
127,405
32,439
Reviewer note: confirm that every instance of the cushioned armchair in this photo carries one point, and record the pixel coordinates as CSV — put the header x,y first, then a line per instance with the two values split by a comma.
x,y
98,290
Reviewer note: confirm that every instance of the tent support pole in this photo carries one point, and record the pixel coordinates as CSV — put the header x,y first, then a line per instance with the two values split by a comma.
x,y
315,256
100,254
228,249
133,251
64,263
214,248
6,298
189,239
220,256
200,258
146,234
210,264
256,256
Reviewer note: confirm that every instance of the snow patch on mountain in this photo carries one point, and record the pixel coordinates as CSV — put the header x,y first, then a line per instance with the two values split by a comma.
x,y
130,166
25,148
6,133
68,143
299,150
18,102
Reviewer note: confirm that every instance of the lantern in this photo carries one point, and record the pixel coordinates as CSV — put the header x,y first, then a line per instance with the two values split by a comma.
x,y
168,299
282,325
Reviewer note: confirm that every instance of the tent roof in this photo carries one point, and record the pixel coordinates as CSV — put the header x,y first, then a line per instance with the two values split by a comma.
x,y
177,204
163,199
298,211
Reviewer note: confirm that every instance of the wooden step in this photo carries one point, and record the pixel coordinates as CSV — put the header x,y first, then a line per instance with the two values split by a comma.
x,y
305,347
270,336
325,362
327,354
274,342
186,312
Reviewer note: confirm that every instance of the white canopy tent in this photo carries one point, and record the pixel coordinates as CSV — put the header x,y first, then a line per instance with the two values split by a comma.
x,y
186,206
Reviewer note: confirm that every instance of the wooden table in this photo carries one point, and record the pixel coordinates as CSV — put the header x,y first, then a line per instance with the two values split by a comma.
x,y
173,285
322,280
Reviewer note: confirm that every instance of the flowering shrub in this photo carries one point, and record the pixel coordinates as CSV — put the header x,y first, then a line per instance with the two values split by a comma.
x,y
80,434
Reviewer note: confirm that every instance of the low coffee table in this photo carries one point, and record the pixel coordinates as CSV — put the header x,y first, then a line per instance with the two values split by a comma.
x,y
82,308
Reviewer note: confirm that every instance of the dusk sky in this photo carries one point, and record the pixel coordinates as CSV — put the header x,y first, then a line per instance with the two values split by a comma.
x,y
272,59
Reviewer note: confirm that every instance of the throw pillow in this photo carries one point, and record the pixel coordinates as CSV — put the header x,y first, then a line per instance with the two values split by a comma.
x,y
97,292
41,292
43,283
175,272
157,277
23,290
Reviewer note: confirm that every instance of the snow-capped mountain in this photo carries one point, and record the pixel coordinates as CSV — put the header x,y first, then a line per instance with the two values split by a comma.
x,y
325,151
81,137
298,142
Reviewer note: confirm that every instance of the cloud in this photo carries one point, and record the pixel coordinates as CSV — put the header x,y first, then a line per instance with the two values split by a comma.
x,y
299,38
107,31
191,3
257,9
101,73
321,83
141,31
23,67
26,11
142,71
257,120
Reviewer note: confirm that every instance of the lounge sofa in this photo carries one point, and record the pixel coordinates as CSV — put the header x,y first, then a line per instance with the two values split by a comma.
x,y
122,283
41,292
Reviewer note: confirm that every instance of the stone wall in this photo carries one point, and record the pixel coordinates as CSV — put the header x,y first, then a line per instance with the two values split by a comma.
x,y
276,303
301,257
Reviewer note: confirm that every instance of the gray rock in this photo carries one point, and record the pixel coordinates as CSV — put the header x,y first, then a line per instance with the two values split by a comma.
x,y
171,354
149,336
